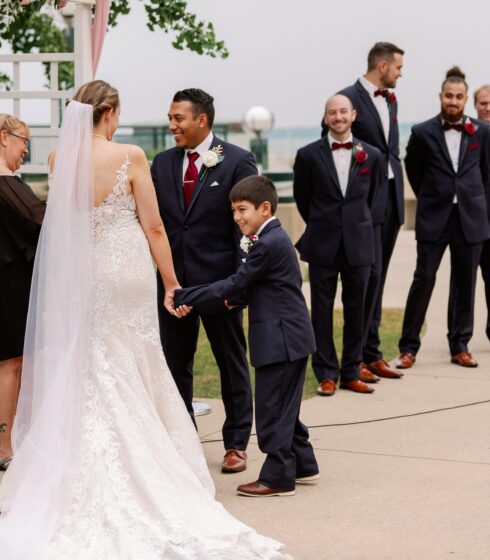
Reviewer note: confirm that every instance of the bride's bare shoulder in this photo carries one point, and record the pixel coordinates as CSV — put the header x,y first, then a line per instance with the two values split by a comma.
x,y
133,152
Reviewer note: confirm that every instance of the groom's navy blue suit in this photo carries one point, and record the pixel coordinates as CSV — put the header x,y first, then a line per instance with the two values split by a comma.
x,y
280,340
339,239
440,222
204,246
388,212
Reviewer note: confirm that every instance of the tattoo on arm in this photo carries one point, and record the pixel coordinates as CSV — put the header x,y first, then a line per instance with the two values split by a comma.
x,y
3,427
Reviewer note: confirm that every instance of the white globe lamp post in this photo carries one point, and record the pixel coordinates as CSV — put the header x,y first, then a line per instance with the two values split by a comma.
x,y
259,120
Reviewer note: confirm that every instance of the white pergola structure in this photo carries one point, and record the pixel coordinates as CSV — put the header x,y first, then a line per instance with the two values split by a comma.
x,y
82,59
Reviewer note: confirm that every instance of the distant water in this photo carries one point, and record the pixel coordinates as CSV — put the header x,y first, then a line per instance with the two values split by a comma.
x,y
283,143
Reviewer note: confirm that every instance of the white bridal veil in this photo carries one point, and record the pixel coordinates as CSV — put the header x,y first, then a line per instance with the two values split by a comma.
x,y
46,430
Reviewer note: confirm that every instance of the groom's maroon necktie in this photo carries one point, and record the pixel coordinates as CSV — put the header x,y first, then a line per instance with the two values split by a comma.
x,y
190,178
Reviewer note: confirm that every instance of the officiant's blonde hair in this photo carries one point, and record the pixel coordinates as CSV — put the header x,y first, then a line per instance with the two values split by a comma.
x,y
101,95
11,123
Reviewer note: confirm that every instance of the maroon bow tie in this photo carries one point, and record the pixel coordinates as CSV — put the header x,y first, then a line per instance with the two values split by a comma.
x,y
383,92
452,126
338,146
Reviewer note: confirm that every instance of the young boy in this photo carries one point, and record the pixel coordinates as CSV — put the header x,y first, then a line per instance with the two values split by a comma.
x,y
280,336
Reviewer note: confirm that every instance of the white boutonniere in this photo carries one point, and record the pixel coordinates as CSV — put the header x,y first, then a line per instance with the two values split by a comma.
x,y
210,159
247,242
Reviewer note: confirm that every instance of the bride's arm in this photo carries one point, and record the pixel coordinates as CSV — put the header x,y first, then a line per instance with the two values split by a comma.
x,y
151,222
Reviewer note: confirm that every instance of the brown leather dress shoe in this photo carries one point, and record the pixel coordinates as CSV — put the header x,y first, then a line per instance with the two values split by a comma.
x,y
326,388
464,359
383,369
365,375
234,461
405,360
357,386
259,490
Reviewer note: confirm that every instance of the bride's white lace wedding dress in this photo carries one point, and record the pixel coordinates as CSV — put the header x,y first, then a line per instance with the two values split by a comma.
x,y
140,488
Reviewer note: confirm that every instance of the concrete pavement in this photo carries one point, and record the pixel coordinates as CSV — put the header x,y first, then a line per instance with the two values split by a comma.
x,y
415,487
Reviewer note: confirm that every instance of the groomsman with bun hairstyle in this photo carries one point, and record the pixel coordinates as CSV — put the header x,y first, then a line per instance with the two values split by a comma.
x,y
448,168
377,124
335,184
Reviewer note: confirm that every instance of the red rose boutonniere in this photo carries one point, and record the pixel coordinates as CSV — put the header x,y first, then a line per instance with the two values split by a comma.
x,y
469,127
360,156
392,98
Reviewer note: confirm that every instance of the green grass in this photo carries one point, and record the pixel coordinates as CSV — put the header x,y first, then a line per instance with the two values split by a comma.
x,y
206,374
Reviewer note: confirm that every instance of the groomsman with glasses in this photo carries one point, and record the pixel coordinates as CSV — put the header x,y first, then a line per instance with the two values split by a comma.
x,y
377,124
448,168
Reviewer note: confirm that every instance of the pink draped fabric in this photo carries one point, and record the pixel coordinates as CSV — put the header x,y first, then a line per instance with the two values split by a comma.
x,y
98,30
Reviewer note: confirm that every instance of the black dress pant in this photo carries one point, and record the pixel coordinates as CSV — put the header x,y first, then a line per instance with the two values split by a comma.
x,y
225,335
280,433
485,272
464,263
323,286
385,236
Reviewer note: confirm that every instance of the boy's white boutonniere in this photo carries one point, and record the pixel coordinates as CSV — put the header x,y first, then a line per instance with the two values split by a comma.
x,y
247,242
210,159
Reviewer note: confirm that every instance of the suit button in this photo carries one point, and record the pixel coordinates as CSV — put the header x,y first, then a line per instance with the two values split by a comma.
x,y
186,228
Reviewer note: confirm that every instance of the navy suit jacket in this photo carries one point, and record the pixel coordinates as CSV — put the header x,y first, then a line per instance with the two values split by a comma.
x,y
434,181
330,217
369,128
203,238
279,324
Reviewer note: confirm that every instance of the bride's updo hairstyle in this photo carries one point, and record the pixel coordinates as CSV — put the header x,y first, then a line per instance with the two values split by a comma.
x,y
100,95
455,76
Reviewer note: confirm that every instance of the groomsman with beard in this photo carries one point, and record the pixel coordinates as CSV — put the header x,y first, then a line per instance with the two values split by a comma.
x,y
192,183
335,182
448,166
377,124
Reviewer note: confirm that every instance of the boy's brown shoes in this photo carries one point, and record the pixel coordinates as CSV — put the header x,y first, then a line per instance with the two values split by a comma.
x,y
259,490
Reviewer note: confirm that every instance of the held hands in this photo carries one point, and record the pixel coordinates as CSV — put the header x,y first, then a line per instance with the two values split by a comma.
x,y
168,303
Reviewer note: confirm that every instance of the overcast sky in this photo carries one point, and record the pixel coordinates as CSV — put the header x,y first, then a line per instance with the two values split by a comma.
x,y
291,55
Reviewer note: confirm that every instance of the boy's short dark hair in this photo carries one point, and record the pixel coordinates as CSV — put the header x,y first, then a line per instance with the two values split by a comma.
x,y
201,101
255,189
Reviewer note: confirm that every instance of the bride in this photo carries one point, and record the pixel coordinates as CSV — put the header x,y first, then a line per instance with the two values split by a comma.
x,y
107,463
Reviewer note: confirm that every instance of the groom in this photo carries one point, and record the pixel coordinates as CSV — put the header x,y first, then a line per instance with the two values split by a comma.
x,y
192,183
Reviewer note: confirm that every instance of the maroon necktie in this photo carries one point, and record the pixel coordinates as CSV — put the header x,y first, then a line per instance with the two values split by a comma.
x,y
190,178
338,146
452,126
383,92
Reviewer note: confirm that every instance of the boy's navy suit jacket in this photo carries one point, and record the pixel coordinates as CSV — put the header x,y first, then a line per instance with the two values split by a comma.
x,y
279,324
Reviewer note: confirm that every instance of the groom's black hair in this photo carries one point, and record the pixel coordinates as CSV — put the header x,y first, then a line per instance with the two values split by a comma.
x,y
201,101
255,189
